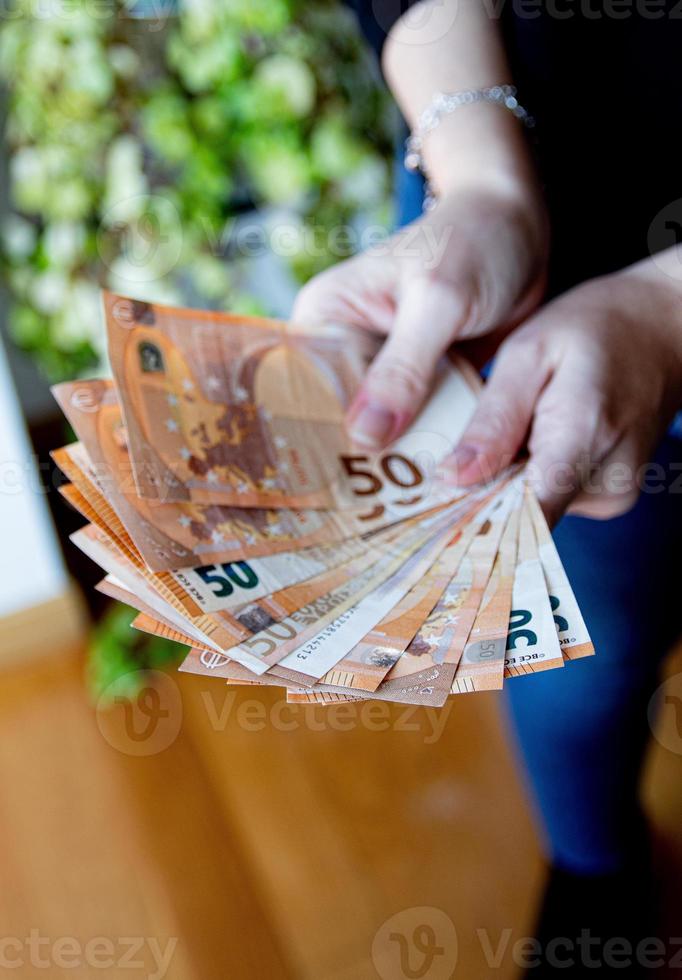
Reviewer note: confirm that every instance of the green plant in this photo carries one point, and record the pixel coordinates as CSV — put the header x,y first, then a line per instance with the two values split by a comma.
x,y
133,146
117,654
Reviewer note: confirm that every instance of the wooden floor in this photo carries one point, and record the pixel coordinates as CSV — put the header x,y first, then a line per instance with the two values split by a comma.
x,y
262,842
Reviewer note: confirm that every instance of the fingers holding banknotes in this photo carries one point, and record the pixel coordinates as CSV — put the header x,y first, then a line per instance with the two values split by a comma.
x,y
472,265
413,609
591,381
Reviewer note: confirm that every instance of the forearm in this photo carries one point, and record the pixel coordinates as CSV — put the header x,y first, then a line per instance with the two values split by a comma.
x,y
446,46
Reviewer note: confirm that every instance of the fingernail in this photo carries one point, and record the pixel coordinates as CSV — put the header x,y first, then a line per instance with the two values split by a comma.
x,y
373,425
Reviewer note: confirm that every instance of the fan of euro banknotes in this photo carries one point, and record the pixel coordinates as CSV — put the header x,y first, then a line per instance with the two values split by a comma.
x,y
227,505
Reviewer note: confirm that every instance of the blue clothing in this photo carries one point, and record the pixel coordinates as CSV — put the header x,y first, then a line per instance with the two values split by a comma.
x,y
581,731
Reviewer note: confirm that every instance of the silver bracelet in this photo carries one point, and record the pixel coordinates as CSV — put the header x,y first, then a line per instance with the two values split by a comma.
x,y
444,103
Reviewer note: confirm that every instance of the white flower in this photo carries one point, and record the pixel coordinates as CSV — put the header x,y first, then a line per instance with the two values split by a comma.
x,y
210,276
171,425
126,276
79,318
18,237
199,18
365,184
124,60
62,242
83,305
28,172
88,70
48,291
125,198
288,79
184,521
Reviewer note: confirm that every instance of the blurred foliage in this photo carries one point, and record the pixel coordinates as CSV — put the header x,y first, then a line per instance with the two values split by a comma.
x,y
135,144
118,653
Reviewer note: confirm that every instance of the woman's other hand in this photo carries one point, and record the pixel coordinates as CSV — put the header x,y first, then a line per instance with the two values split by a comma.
x,y
591,381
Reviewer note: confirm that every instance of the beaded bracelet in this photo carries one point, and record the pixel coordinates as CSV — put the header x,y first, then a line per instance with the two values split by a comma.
x,y
444,103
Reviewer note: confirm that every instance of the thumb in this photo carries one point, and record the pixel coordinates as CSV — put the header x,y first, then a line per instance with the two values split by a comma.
x,y
428,317
502,418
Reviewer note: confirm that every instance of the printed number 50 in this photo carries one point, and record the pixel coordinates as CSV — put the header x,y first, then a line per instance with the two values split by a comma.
x,y
234,573
395,468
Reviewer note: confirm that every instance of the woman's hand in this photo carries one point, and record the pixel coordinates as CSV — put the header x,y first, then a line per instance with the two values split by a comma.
x,y
592,380
472,265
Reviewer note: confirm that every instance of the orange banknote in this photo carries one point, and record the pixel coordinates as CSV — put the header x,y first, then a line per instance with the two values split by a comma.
x,y
250,413
175,535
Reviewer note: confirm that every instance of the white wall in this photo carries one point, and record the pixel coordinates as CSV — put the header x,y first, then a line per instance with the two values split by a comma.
x,y
31,567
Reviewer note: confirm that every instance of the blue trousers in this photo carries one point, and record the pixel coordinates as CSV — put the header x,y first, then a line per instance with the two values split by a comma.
x,y
581,731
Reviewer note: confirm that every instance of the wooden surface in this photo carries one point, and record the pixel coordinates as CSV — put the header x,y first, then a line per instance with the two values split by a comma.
x,y
62,620
263,846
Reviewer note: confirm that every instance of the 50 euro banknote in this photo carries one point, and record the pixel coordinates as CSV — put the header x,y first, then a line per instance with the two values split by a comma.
x,y
251,413
185,534
494,620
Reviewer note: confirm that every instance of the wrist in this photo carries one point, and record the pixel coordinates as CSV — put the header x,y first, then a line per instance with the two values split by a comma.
x,y
503,187
481,143
502,237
